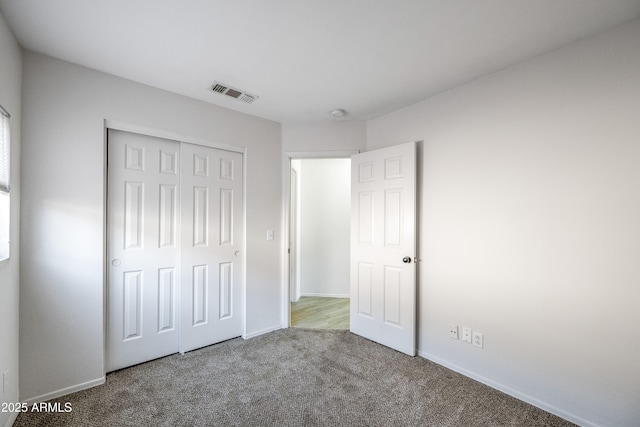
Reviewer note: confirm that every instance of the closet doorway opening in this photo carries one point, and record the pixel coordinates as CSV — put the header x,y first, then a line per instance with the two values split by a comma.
x,y
319,242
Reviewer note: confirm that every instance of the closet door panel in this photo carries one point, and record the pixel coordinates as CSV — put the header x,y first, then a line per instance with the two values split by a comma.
x,y
143,261
211,188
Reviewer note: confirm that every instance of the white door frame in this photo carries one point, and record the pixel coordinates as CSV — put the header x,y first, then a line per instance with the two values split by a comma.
x,y
286,201
294,212
144,130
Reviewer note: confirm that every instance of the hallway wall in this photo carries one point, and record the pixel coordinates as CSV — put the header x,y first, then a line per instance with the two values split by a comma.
x,y
325,221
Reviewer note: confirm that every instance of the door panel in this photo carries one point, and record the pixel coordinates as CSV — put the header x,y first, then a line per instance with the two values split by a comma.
x,y
383,288
166,299
132,312
364,289
211,188
168,214
143,258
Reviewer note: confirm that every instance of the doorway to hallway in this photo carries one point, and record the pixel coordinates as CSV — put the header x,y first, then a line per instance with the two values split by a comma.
x,y
319,243
382,246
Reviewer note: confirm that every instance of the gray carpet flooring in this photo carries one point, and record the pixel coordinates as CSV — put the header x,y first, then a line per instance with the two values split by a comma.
x,y
291,377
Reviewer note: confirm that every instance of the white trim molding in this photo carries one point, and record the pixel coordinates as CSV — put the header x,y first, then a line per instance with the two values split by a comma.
x,y
159,133
325,295
65,391
262,332
508,390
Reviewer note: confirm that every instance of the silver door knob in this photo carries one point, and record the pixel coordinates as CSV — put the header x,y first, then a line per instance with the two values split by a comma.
x,y
406,260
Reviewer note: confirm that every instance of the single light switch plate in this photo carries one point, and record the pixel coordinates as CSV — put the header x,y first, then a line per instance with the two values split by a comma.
x,y
270,234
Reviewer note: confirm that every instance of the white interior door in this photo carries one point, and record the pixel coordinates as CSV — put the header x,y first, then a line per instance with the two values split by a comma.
x,y
383,246
143,248
211,188
175,239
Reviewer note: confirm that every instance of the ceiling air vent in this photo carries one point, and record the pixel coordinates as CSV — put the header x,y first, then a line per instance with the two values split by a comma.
x,y
219,88
233,93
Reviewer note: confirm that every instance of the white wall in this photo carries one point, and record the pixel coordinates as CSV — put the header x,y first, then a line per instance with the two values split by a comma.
x,y
328,136
10,99
61,307
325,221
529,226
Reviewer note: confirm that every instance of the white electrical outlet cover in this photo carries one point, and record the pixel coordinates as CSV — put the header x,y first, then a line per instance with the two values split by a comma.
x,y
466,334
478,339
453,332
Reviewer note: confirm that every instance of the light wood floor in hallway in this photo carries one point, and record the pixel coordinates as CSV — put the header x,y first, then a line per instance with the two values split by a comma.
x,y
320,313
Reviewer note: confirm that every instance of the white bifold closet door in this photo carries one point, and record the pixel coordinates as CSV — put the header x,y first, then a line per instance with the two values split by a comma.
x,y
175,240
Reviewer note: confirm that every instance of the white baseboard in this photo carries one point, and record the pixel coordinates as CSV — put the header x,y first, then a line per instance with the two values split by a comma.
x,y
65,391
511,392
261,332
325,295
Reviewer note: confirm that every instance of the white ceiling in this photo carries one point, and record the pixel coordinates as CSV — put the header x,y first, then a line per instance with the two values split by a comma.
x,y
304,58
